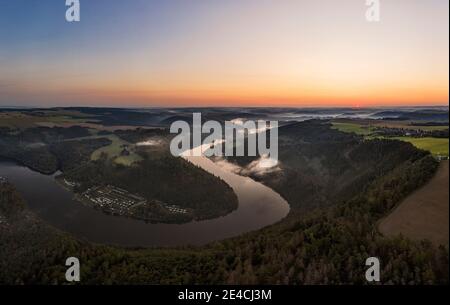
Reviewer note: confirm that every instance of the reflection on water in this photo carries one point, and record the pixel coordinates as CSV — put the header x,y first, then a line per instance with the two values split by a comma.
x,y
259,206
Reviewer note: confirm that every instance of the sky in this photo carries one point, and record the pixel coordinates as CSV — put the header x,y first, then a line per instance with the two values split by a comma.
x,y
301,53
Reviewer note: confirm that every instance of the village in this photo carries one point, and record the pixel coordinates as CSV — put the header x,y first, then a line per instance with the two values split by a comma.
x,y
117,201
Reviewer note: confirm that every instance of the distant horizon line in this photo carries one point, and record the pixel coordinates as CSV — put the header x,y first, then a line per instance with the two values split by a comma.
x,y
229,107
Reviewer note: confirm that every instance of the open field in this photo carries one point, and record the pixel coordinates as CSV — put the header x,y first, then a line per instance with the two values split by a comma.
x,y
114,151
437,146
423,214
359,129
366,128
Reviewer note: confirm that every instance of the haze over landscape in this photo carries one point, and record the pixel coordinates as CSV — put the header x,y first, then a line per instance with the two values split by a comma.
x,y
224,53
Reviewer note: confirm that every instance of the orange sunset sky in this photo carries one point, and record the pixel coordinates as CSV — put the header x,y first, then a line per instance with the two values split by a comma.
x,y
224,53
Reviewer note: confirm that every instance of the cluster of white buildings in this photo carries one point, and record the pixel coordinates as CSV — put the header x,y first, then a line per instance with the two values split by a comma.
x,y
119,201
116,200
176,209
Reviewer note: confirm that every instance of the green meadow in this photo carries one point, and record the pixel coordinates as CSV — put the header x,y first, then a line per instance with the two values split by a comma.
x,y
437,146
114,152
352,127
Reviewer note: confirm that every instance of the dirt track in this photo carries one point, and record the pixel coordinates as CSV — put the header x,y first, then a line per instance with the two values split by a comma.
x,y
425,213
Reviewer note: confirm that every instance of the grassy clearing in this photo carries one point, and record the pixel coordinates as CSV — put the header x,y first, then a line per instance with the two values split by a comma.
x,y
436,146
353,128
114,151
127,160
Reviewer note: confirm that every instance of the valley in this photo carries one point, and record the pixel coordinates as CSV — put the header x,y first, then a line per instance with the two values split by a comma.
x,y
339,186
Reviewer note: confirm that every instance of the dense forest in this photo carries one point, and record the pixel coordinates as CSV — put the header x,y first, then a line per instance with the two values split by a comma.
x,y
329,165
323,244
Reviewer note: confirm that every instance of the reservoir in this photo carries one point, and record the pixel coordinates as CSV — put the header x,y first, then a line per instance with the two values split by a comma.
x,y
259,206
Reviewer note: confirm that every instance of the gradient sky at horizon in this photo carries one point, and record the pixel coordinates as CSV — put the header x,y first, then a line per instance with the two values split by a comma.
x,y
224,53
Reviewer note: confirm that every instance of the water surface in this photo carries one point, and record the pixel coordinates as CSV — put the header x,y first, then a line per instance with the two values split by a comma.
x,y
259,206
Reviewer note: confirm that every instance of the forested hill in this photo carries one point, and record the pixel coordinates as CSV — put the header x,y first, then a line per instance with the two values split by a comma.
x,y
320,166
327,245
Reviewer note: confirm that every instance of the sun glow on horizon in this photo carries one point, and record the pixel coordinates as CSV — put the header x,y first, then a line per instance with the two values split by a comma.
x,y
205,53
